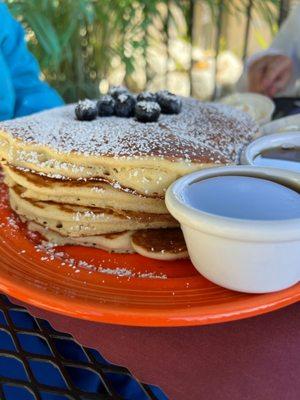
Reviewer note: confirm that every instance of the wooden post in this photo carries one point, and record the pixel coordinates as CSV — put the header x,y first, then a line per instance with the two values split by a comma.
x,y
217,43
284,8
247,30
191,35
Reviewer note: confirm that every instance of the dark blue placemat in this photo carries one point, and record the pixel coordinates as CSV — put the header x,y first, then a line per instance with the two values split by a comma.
x,y
40,363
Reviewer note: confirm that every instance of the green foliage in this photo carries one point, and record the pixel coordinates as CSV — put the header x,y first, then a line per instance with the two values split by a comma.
x,y
266,10
77,41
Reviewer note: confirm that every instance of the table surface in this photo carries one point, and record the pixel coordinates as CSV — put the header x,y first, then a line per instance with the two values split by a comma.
x,y
255,359
251,359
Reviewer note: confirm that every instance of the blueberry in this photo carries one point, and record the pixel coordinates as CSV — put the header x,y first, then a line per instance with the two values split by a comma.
x,y
106,106
169,103
86,110
115,91
146,96
124,105
147,111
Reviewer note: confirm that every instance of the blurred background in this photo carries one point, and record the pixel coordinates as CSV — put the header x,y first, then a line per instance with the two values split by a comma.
x,y
191,47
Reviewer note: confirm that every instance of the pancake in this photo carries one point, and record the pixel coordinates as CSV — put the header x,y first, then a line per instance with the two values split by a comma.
x,y
102,183
117,242
160,244
76,221
90,194
144,157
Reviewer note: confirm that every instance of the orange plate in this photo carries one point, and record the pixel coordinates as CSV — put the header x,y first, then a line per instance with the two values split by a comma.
x,y
53,280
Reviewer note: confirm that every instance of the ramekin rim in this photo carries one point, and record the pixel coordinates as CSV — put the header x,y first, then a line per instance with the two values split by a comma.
x,y
268,230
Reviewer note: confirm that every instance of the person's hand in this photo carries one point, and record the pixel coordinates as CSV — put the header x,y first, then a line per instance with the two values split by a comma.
x,y
270,74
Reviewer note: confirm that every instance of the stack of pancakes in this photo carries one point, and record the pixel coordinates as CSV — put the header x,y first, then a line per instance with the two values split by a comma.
x,y
102,183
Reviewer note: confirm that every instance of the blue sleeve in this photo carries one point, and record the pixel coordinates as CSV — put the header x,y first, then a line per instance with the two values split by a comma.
x,y
30,93
7,93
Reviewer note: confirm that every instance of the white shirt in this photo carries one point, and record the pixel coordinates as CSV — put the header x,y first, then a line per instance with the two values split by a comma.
x,y
286,42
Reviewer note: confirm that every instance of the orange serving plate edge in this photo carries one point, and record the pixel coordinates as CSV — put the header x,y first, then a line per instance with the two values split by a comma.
x,y
51,282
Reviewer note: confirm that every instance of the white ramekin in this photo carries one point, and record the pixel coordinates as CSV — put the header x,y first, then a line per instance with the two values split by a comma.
x,y
269,142
244,255
282,125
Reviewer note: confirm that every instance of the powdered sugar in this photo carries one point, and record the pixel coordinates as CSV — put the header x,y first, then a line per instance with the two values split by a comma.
x,y
122,98
86,104
149,106
49,253
97,189
201,132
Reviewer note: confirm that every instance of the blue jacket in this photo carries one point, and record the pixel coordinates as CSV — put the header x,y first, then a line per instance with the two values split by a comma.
x,y
21,90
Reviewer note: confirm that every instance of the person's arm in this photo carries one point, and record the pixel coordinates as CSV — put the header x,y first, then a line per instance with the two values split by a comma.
x,y
286,42
31,94
276,69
